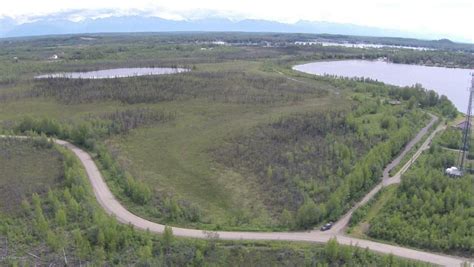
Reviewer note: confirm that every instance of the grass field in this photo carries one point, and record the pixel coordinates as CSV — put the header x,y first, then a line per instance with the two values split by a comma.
x,y
175,157
171,166
25,169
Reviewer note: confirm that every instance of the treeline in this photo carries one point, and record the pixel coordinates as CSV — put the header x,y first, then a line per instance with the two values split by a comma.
x,y
450,59
96,126
361,212
364,175
413,96
90,134
66,226
430,210
319,52
127,40
125,120
312,167
165,206
429,99
454,59
233,87
451,138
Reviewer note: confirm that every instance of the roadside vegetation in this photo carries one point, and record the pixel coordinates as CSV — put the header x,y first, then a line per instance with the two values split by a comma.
x,y
451,138
63,225
360,219
413,150
430,210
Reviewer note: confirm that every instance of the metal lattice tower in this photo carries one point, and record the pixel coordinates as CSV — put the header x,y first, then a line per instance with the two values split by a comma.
x,y
466,136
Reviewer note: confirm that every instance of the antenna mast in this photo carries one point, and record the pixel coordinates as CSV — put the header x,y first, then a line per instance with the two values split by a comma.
x,y
466,137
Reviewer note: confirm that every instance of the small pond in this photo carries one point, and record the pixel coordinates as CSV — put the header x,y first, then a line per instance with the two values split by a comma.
x,y
113,73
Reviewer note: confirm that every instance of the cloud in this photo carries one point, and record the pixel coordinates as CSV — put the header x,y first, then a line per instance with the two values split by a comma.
x,y
450,17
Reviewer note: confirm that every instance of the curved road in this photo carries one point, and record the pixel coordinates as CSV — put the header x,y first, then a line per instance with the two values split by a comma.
x,y
113,207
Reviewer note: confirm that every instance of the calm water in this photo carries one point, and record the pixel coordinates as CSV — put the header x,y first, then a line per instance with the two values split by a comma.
x,y
362,45
112,73
453,83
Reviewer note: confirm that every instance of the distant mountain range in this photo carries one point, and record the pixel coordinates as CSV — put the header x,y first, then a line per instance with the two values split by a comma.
x,y
57,24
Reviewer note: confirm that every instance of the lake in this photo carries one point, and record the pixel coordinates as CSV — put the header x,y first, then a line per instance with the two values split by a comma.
x,y
113,73
362,45
454,83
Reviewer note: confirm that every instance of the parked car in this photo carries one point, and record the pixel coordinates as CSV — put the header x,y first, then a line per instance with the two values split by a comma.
x,y
327,226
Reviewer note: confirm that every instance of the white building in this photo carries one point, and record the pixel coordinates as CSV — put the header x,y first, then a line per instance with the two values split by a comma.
x,y
453,172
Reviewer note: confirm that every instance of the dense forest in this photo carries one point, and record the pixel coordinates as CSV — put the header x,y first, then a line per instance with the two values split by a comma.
x,y
229,87
430,210
434,58
415,96
311,167
451,138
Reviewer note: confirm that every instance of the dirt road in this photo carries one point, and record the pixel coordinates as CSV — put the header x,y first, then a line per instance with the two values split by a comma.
x,y
111,205
341,224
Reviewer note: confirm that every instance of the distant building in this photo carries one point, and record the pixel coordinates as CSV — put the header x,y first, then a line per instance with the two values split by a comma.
x,y
54,57
394,102
219,43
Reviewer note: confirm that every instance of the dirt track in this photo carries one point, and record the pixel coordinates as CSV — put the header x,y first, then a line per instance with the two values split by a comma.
x,y
341,224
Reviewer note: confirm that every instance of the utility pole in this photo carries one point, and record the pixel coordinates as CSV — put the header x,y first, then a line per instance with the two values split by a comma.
x,y
466,137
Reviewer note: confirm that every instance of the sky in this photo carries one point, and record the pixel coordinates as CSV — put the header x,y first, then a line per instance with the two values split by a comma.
x,y
450,17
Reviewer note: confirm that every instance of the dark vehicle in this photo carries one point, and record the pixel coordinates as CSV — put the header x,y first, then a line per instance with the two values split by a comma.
x,y
326,227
